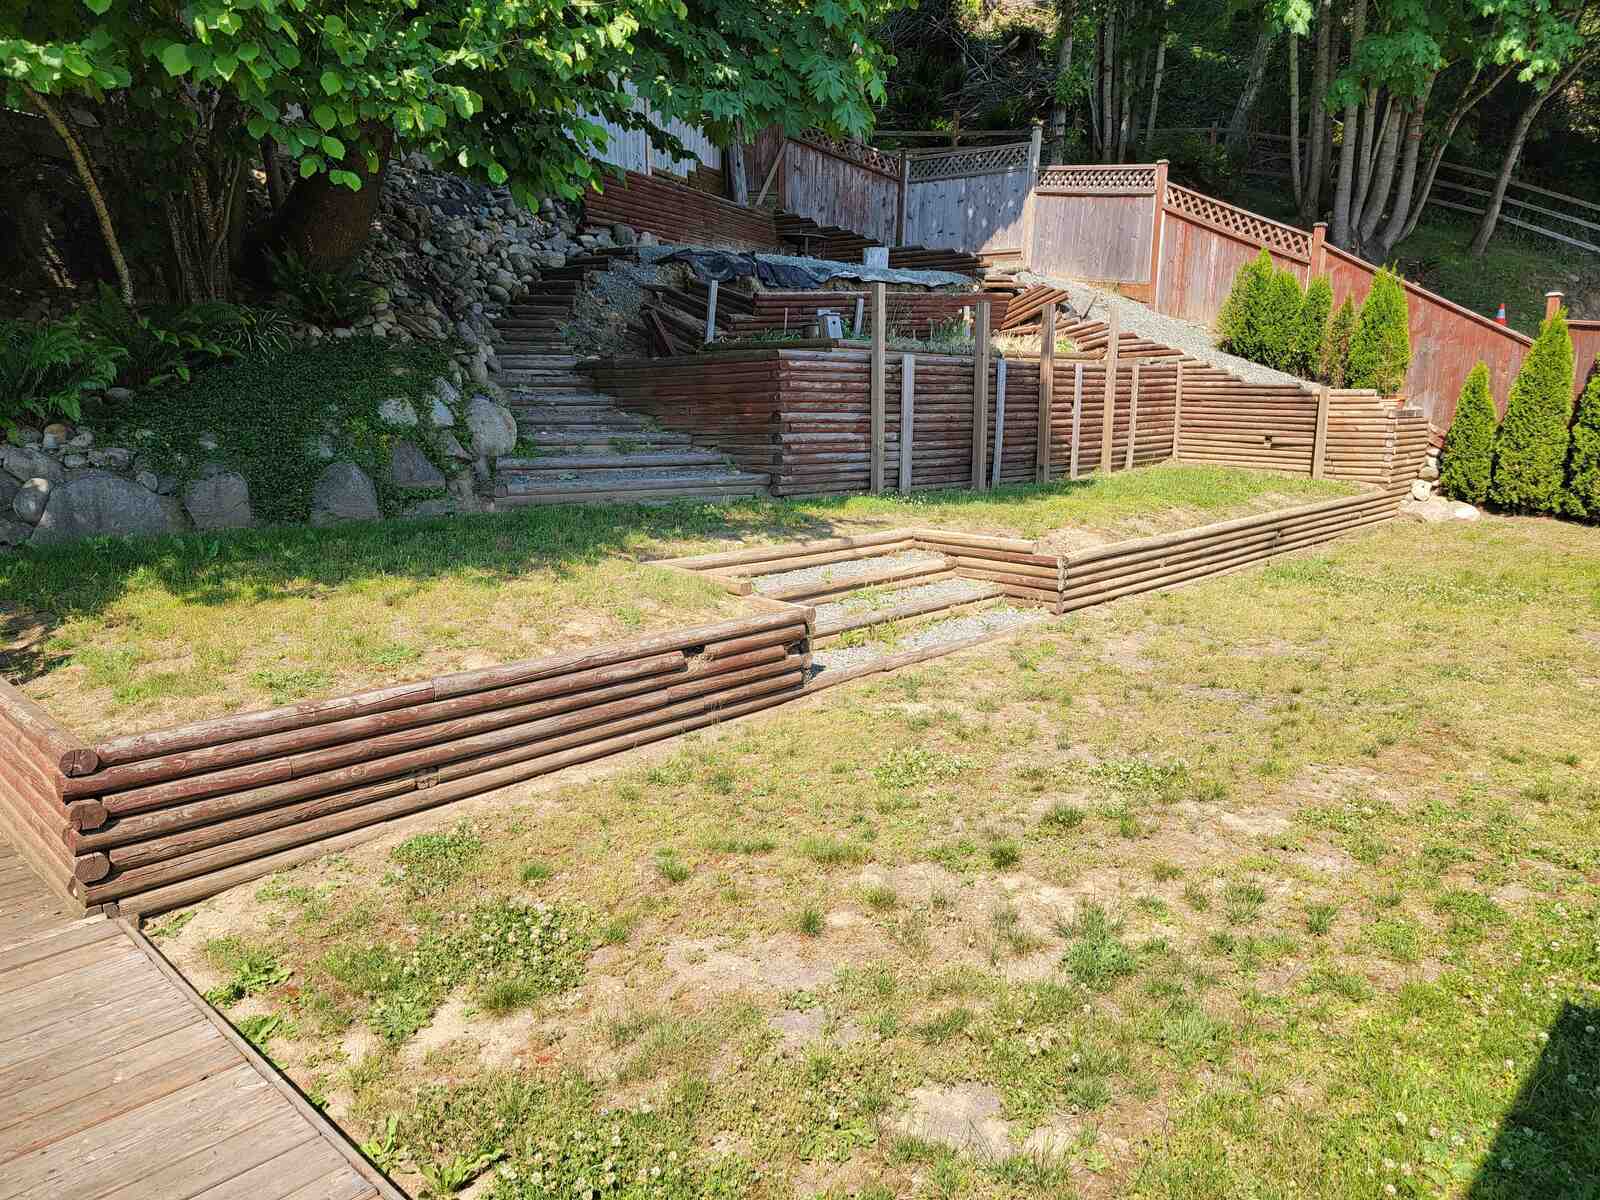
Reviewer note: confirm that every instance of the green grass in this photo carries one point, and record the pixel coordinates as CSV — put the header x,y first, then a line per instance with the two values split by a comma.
x,y
1296,1014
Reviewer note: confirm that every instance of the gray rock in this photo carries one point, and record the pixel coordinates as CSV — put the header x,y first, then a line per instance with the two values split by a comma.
x,y
624,235
9,488
1430,471
113,458
73,461
438,507
1438,509
463,489
219,500
1421,489
397,410
100,504
29,500
148,479
451,448
344,493
493,428
119,394
411,468
13,533
81,440
550,260
649,239
24,462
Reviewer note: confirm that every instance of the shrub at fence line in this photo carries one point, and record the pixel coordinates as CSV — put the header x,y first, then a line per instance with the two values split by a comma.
x,y
1236,322
1278,321
1581,496
1530,451
1312,328
1380,348
1469,446
1335,365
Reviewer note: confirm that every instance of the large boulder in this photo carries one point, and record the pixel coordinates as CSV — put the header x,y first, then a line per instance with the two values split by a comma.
x,y
397,410
411,468
344,493
29,501
25,462
493,428
219,500
9,488
1438,509
100,504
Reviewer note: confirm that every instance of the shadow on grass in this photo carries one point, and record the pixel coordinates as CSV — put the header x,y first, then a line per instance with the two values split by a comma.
x,y
1548,1146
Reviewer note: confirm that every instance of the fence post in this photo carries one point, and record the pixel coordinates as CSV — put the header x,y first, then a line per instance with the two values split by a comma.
x,y
1108,418
1047,389
905,193
1319,444
908,377
1077,416
980,393
1319,252
711,312
1177,414
999,418
1552,303
1133,415
880,346
1035,150
1157,228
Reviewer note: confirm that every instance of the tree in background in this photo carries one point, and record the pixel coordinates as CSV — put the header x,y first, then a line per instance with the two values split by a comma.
x,y
1530,450
1380,347
1468,458
508,91
1335,364
1311,328
1580,497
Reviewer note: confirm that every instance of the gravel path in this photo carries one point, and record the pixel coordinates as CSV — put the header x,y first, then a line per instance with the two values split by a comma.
x,y
989,622
951,591
840,571
1169,331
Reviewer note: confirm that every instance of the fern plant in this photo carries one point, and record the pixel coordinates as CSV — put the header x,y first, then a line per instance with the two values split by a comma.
x,y
321,297
47,371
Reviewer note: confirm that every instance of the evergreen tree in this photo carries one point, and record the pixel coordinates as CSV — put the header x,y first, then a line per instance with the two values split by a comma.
x,y
1236,323
1380,348
1581,496
1312,328
1469,446
1530,451
1335,366
1277,321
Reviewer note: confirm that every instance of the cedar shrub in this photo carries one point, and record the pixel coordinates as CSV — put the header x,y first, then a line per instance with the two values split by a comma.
x,y
1277,321
1236,323
1312,328
1335,366
1581,496
1469,446
1380,348
1530,450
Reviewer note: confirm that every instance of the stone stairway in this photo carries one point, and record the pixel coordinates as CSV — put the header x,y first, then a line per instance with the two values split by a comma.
x,y
584,448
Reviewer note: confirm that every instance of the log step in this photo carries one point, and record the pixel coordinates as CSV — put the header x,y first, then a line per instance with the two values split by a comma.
x,y
558,463
606,479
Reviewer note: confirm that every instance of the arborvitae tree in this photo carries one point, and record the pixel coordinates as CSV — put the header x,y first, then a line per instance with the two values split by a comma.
x,y
1469,446
1277,321
1335,367
1530,451
1312,328
1380,349
1581,496
1235,323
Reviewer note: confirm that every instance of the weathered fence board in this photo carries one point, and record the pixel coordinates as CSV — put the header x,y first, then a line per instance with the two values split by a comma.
x,y
830,185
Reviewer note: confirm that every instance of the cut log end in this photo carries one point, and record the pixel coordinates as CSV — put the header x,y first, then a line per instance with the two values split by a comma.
x,y
80,761
86,814
91,868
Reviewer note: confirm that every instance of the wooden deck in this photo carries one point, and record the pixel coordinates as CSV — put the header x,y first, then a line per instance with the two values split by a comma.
x,y
118,1082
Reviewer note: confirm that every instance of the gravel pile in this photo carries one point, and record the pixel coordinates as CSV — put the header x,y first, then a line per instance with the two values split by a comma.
x,y
988,623
840,571
1134,317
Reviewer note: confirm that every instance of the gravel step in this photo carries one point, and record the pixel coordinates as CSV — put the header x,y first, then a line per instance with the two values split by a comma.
x,y
829,575
988,622
611,478
871,606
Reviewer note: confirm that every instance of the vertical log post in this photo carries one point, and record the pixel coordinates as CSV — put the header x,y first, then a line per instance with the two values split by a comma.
x,y
1157,228
1319,444
1319,252
999,419
908,376
980,393
1108,420
1177,415
1133,416
855,328
1035,151
1552,303
903,197
1077,416
880,346
1047,389
711,312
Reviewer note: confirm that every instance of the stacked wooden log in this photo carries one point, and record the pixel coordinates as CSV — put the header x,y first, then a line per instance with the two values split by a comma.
x,y
1023,312
1229,422
1372,439
1011,563
185,812
1147,564
674,319
677,212
36,756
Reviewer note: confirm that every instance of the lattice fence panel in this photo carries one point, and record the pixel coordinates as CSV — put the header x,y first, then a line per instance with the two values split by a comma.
x,y
858,152
1099,179
1283,238
957,163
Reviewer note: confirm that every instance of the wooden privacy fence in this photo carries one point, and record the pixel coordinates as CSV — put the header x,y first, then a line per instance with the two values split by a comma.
x,y
1178,250
158,819
844,185
969,199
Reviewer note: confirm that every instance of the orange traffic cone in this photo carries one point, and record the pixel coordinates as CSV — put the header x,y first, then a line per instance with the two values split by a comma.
x,y
1500,316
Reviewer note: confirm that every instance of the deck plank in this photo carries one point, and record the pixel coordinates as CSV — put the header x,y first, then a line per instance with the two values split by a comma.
x,y
121,1083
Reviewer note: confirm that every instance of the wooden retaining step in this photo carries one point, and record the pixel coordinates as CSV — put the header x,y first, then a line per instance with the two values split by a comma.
x,y
581,462
635,495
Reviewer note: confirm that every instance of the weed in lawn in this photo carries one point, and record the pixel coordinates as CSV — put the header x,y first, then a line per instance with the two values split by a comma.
x,y
1243,901
1062,817
1163,871
880,897
670,867
431,862
537,872
1397,938
1004,855
725,844
1013,935
809,921
1096,956
917,766
944,1026
251,971
832,852
1320,917
1196,897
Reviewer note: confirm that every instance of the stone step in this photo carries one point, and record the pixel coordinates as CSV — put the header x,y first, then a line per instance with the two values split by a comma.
x,y
537,388
638,489
640,459
596,415
533,360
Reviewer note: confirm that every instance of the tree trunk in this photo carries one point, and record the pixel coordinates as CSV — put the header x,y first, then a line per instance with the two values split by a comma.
x,y
1379,183
1058,112
277,185
1519,137
327,224
1239,125
1405,189
1155,91
1344,189
1317,133
1469,100
1108,50
1295,181
734,157
97,199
